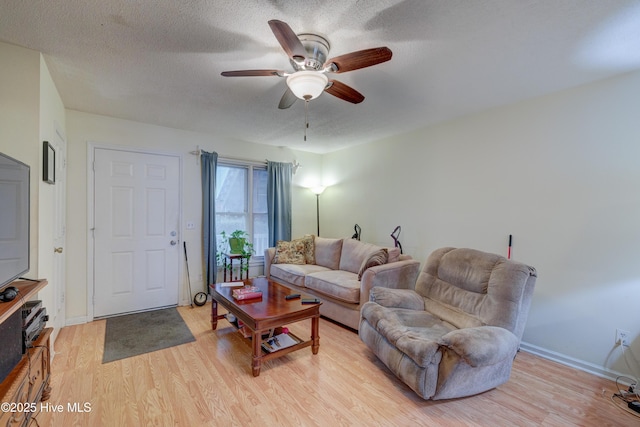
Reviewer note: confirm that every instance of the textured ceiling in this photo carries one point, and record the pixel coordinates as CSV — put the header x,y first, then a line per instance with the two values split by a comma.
x,y
159,61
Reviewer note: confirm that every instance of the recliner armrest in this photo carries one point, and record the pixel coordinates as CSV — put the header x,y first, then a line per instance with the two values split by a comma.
x,y
399,298
482,345
269,254
395,275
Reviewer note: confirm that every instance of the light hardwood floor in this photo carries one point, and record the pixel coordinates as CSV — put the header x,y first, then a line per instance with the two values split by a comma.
x,y
209,383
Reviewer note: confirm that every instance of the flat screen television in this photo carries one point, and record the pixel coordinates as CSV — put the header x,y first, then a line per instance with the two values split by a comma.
x,y
14,219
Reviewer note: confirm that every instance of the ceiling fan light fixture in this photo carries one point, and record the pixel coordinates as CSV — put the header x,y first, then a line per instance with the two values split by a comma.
x,y
307,84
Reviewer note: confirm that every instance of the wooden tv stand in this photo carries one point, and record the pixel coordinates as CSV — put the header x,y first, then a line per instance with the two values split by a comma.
x,y
28,383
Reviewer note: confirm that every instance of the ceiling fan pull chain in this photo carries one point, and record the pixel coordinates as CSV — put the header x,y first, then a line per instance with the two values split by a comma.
x,y
306,118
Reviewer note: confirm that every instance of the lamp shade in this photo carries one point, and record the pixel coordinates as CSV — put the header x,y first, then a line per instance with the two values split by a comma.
x,y
307,84
317,190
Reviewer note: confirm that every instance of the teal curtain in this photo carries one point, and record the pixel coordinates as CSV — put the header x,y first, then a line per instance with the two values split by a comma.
x,y
209,164
279,201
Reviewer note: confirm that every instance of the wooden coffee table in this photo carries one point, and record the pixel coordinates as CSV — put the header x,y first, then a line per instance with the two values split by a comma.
x,y
266,313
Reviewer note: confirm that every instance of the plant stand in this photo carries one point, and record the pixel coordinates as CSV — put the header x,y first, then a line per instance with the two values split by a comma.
x,y
230,258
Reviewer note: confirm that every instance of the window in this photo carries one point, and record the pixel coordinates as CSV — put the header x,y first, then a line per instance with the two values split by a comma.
x,y
241,202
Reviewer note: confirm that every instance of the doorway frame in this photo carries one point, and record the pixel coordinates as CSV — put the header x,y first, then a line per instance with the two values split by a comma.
x,y
59,270
91,150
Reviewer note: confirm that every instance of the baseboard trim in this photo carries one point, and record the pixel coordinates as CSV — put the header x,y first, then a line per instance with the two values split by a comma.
x,y
574,363
76,321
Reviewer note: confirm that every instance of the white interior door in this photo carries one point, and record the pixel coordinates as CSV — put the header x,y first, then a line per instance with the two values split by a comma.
x,y
136,241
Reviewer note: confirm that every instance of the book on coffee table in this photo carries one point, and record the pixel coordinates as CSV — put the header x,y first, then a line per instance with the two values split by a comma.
x,y
248,292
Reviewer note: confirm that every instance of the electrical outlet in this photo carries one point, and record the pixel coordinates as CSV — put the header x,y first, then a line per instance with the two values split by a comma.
x,y
622,337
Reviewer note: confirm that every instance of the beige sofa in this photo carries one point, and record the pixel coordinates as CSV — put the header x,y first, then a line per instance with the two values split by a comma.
x,y
331,274
458,332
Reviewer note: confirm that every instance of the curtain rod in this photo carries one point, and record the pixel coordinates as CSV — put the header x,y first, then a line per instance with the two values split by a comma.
x,y
240,159
198,152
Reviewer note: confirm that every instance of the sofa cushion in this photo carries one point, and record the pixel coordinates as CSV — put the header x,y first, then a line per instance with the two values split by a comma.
x,y
379,257
289,252
415,333
354,253
294,273
328,252
338,284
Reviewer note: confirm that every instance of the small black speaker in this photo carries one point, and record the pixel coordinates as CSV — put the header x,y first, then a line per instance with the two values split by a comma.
x,y
11,339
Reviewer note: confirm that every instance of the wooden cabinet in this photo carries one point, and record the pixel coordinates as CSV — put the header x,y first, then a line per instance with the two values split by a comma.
x,y
28,383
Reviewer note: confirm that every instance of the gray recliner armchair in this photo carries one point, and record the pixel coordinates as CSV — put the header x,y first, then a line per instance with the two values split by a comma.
x,y
458,332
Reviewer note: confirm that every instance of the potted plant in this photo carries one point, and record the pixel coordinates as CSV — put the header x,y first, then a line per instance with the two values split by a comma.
x,y
238,242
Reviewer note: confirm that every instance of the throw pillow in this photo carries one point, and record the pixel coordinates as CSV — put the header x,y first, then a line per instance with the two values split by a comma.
x,y
379,257
309,248
289,252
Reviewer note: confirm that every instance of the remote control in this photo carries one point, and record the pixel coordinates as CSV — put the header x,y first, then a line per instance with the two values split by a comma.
x,y
310,301
292,296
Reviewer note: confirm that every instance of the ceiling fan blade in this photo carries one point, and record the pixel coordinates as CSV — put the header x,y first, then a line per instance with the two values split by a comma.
x,y
287,100
359,59
252,73
288,40
342,91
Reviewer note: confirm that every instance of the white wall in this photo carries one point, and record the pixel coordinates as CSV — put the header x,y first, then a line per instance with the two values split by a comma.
x,y
83,128
19,123
560,173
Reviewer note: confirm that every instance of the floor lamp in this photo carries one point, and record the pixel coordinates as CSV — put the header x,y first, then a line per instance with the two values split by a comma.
x,y
318,191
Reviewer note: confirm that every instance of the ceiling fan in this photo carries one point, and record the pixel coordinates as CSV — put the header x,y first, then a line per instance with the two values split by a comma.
x,y
308,56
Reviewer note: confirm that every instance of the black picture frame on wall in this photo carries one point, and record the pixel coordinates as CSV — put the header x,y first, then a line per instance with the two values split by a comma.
x,y
48,163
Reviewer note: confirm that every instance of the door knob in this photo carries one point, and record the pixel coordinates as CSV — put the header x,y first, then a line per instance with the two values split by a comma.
x,y
57,250
173,243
